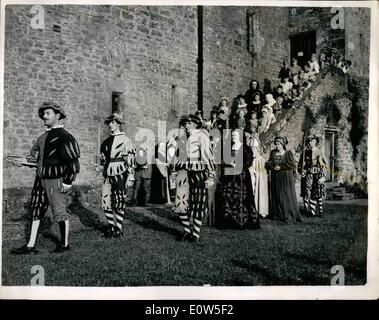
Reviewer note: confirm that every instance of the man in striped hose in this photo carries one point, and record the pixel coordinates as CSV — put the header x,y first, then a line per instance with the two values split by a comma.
x,y
117,163
314,173
57,155
199,168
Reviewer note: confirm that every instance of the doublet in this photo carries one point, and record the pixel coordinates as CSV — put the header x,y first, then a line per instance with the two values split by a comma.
x,y
58,154
314,160
117,155
199,152
118,161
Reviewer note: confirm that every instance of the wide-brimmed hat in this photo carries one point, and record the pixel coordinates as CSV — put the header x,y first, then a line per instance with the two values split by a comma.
x,y
51,105
224,98
116,117
195,119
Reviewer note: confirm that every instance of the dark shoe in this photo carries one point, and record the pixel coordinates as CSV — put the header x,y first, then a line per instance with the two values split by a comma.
x,y
109,231
60,249
183,237
194,239
25,250
117,233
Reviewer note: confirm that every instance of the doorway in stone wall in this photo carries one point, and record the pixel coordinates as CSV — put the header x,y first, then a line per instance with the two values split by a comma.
x,y
330,152
302,45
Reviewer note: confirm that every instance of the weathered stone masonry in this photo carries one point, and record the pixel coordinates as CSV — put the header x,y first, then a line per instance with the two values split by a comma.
x,y
149,55
140,52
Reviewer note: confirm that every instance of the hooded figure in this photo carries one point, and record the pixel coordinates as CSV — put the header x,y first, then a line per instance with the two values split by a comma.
x,y
250,93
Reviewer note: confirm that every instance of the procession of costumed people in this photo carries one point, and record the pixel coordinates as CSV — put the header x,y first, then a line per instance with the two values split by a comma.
x,y
214,169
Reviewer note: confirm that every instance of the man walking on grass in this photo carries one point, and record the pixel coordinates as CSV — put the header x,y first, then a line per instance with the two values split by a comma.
x,y
118,166
57,155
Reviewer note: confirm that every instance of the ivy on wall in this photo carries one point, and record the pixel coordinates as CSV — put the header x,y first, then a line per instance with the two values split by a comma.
x,y
358,115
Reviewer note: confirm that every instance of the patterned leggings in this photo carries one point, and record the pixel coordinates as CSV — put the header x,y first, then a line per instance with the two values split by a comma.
x,y
114,199
182,199
311,205
314,192
198,199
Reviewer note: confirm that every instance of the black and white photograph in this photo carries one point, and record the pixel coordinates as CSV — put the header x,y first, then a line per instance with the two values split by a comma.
x,y
205,147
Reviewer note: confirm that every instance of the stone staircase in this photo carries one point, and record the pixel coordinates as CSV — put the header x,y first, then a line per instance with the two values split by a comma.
x,y
295,123
287,116
338,193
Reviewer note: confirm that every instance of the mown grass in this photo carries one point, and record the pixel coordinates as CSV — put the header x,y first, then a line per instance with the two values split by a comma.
x,y
148,255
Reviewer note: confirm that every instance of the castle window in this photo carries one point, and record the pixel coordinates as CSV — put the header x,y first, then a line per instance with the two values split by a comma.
x,y
115,102
251,25
57,28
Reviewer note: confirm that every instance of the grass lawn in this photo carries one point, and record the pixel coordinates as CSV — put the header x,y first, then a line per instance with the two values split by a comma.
x,y
148,255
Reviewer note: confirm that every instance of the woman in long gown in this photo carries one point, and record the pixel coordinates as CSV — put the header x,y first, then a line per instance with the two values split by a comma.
x,y
283,202
234,196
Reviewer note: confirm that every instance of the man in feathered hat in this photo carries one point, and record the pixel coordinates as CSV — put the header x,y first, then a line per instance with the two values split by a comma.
x,y
57,155
117,159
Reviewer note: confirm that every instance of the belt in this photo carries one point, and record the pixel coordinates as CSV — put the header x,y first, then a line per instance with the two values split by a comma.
x,y
117,160
314,170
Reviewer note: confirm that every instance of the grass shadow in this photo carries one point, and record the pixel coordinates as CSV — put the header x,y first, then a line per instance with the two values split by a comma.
x,y
166,213
87,217
309,259
150,223
269,277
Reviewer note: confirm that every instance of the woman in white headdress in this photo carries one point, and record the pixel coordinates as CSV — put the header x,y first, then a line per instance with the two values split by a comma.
x,y
259,179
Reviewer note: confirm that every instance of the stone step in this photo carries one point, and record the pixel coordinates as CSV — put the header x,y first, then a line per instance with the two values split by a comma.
x,y
343,196
339,190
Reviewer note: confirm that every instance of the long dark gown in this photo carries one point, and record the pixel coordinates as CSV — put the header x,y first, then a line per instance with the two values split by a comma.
x,y
283,202
235,208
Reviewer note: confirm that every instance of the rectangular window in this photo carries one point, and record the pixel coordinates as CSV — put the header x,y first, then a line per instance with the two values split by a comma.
x,y
250,26
115,102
